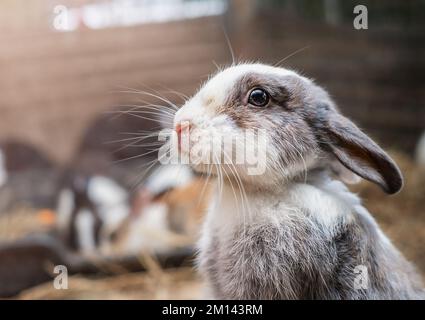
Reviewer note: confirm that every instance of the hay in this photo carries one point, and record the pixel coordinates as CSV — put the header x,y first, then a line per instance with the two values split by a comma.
x,y
181,283
21,222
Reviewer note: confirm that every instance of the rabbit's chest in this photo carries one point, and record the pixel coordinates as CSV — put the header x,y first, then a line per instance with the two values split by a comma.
x,y
264,251
258,259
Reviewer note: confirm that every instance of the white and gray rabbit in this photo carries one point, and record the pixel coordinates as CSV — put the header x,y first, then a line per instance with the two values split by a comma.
x,y
291,230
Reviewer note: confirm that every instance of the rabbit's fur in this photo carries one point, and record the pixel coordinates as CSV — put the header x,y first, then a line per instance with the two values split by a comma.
x,y
294,231
303,242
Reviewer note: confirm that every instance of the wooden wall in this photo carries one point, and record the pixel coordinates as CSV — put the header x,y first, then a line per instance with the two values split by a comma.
x,y
376,76
52,85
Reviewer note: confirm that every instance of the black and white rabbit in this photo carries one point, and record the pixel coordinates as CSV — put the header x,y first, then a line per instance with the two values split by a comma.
x,y
28,177
294,231
90,208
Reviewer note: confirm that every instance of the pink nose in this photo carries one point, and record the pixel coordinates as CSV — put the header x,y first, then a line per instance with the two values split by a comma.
x,y
182,127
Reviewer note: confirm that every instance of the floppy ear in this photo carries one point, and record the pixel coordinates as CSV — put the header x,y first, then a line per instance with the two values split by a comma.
x,y
357,152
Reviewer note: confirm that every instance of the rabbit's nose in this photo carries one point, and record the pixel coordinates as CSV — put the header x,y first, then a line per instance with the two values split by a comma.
x,y
182,128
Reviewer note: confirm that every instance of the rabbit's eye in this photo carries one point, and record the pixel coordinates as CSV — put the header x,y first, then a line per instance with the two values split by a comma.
x,y
259,97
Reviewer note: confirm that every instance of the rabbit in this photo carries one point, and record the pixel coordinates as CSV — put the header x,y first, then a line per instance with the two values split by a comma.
x,y
293,230
118,145
97,183
90,208
165,212
28,177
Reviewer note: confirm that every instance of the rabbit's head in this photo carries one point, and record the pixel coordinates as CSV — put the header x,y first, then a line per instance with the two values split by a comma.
x,y
289,123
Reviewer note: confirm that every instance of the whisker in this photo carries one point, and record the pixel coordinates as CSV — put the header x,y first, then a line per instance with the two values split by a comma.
x,y
216,65
220,179
138,111
159,93
134,115
168,102
127,139
289,56
180,94
141,177
244,198
141,132
201,197
229,45
135,157
234,192
150,106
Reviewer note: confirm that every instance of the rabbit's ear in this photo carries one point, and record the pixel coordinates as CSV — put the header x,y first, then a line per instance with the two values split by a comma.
x,y
344,174
356,151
